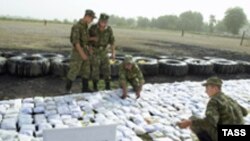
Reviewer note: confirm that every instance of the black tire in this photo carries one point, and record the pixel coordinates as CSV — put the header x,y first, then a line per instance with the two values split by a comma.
x,y
28,66
60,66
244,66
148,66
10,54
115,67
2,65
173,67
212,58
223,66
181,58
200,67
13,65
49,56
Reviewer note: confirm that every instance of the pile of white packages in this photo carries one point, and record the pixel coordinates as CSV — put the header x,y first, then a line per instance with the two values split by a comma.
x,y
155,113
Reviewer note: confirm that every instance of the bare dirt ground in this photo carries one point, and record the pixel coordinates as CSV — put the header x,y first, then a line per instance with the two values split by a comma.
x,y
34,38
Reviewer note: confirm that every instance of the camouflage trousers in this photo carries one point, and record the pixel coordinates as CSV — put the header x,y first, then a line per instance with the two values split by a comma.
x,y
78,67
204,130
100,65
135,83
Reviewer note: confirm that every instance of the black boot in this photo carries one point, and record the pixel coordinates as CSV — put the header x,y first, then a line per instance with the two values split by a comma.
x,y
68,86
107,85
85,85
95,85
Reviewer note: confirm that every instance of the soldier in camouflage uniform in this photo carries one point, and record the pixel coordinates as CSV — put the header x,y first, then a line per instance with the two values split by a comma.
x,y
221,109
79,63
130,72
100,58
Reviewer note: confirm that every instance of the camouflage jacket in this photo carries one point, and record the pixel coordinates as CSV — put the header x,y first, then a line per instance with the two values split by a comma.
x,y
135,73
79,34
104,37
222,109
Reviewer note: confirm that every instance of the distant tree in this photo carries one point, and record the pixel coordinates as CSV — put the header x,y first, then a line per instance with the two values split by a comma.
x,y
143,22
212,22
130,22
117,21
166,22
234,19
220,26
66,21
192,21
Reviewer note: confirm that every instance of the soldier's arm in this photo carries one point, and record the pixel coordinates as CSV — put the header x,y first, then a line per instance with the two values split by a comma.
x,y
76,42
139,74
122,80
112,42
243,110
212,115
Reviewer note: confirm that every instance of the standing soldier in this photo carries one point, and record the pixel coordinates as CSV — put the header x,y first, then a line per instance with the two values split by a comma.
x,y
79,63
100,58
130,72
221,109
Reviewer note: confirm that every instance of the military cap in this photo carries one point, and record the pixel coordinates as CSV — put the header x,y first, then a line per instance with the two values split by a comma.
x,y
90,12
128,59
213,81
103,16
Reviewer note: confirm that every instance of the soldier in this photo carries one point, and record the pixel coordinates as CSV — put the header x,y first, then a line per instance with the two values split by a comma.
x,y
221,109
129,71
100,58
79,63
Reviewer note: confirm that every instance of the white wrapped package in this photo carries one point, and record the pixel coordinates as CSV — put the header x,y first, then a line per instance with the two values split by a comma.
x,y
39,133
9,124
40,118
77,115
44,126
56,116
39,109
135,138
22,137
3,109
49,113
50,107
12,111
63,110
59,126
63,117
74,108
149,128
72,123
24,119
55,121
28,129
139,130
8,135
38,99
28,100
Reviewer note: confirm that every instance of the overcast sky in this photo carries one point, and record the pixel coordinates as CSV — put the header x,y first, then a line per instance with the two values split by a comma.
x,y
74,9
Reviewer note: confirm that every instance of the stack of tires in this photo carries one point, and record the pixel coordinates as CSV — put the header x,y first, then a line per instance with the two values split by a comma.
x,y
28,66
60,66
200,67
224,66
149,66
172,67
2,65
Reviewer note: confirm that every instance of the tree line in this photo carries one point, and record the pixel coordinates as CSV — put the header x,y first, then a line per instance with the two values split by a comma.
x,y
233,21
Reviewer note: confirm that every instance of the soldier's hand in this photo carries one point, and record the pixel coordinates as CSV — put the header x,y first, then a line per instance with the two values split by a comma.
x,y
184,123
113,56
84,57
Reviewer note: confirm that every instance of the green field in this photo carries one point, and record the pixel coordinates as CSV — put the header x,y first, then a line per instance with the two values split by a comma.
x,y
55,37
